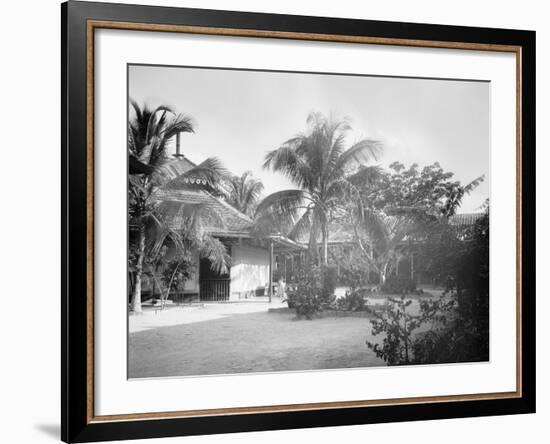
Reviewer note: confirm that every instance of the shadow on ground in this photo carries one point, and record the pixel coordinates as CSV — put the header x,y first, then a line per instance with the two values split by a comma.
x,y
251,342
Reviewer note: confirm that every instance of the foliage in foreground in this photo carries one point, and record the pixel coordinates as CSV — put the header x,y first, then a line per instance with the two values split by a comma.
x,y
397,325
457,325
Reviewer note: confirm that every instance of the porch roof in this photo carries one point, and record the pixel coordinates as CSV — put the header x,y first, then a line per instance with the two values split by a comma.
x,y
283,244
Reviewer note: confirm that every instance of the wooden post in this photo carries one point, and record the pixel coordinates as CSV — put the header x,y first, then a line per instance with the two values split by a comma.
x,y
270,269
412,266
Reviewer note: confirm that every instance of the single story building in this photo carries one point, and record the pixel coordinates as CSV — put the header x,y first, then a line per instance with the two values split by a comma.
x,y
252,265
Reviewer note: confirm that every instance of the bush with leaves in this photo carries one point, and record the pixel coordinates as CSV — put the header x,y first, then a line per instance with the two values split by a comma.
x,y
458,323
305,295
397,325
466,336
313,290
356,279
353,300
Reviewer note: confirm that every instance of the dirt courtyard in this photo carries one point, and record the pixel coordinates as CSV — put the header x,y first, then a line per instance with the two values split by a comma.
x,y
242,338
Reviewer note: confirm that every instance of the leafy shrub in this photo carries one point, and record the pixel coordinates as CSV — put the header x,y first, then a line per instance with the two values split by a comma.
x,y
461,257
461,332
354,300
313,290
399,285
305,304
305,295
397,325
459,321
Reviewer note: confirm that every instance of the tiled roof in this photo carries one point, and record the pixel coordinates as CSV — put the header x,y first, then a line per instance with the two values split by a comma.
x,y
464,219
227,220
343,233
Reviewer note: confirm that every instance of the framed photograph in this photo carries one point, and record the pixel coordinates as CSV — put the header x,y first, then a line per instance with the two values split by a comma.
x,y
275,221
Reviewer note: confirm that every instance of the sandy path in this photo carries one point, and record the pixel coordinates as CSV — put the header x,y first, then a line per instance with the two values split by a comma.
x,y
219,341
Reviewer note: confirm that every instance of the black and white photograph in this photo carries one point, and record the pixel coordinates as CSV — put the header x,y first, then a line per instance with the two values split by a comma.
x,y
293,221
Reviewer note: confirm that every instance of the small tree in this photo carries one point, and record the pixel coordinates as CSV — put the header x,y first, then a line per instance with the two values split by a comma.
x,y
404,204
397,325
176,273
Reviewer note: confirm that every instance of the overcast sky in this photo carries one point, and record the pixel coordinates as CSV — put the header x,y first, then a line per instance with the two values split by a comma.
x,y
241,115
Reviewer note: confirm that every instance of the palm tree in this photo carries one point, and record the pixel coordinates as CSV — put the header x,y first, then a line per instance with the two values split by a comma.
x,y
244,192
148,134
180,224
325,173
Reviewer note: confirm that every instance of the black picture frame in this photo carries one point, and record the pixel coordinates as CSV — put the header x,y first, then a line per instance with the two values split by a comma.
x,y
76,329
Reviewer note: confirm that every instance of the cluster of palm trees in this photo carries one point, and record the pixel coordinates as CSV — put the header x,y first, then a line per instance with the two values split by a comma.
x,y
335,181
329,174
148,134
317,162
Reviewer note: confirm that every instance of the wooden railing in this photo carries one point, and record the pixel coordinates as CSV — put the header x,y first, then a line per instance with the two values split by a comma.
x,y
214,290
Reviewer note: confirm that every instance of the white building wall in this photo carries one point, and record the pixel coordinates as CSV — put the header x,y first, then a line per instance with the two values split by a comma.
x,y
249,270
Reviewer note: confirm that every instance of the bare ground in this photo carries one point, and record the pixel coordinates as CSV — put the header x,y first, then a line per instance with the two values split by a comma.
x,y
235,338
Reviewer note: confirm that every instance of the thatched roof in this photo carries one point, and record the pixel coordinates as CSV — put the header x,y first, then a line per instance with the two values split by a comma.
x,y
228,221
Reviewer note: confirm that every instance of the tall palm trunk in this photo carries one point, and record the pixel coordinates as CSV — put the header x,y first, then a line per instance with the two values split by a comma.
x,y
383,273
324,231
136,296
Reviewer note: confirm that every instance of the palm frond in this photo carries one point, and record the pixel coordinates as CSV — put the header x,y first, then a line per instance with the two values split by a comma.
x,y
244,192
279,212
179,124
302,226
284,201
153,123
215,251
285,160
360,153
474,184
